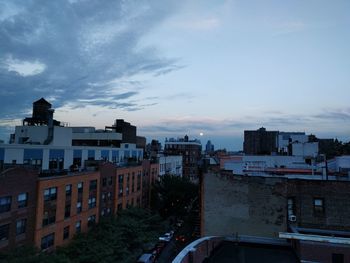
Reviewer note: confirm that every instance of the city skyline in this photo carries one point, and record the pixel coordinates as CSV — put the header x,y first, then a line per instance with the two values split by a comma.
x,y
172,68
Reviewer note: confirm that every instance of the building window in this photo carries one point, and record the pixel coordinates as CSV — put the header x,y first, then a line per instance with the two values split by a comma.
x,y
91,220
50,194
49,217
92,202
68,190
110,180
22,200
4,232
93,185
5,204
21,226
120,207
67,211
78,227
66,233
318,205
80,187
48,241
104,181
79,207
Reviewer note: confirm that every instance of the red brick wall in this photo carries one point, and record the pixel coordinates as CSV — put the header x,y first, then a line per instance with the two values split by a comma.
x,y
61,223
13,182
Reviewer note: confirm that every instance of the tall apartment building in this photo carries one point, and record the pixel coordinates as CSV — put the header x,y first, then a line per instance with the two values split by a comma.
x,y
191,154
260,142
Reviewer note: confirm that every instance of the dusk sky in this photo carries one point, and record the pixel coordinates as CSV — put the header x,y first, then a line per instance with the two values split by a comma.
x,y
179,67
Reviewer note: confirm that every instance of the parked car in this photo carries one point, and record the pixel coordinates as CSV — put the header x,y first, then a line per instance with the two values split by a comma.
x,y
146,258
167,236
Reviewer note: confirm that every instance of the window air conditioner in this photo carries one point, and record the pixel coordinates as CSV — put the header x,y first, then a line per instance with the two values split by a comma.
x,y
292,218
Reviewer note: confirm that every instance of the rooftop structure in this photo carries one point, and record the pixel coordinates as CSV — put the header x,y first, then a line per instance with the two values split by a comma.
x,y
48,144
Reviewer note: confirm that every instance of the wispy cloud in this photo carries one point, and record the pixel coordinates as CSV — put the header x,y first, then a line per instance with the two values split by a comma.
x,y
335,115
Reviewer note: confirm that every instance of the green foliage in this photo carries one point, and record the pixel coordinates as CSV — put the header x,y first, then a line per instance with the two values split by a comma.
x,y
119,239
172,195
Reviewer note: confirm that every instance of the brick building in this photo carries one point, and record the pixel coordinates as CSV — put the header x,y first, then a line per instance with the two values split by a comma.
x,y
66,205
17,206
150,176
260,142
310,211
191,153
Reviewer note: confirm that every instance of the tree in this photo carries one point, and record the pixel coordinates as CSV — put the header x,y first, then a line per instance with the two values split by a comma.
x,y
172,195
119,239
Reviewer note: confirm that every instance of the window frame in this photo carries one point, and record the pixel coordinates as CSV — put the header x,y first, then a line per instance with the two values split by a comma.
x,y
22,228
22,203
5,206
319,209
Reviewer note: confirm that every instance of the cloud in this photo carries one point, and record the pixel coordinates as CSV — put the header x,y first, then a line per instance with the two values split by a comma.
x,y
200,24
78,52
335,115
25,68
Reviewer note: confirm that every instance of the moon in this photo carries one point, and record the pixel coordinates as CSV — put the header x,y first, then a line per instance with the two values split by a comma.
x,y
201,134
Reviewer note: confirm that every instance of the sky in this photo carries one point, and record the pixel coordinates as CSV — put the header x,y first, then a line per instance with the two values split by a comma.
x,y
179,67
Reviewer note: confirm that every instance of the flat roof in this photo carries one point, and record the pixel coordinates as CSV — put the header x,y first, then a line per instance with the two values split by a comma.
x,y
231,252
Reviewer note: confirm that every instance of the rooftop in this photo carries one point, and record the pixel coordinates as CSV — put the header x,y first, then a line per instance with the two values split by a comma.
x,y
231,252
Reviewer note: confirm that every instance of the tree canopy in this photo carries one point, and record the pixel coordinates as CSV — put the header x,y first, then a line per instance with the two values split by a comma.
x,y
117,239
172,195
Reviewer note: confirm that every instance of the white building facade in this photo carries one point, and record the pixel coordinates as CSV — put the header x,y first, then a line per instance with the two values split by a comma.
x,y
171,164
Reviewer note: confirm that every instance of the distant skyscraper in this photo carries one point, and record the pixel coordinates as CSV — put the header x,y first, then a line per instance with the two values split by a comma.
x,y
209,148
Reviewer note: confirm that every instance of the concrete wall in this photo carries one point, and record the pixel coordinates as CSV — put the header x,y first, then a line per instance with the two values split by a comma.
x,y
243,205
36,134
305,149
62,136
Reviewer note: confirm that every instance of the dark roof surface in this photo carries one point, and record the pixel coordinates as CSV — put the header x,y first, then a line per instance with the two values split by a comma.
x,y
230,252
42,101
